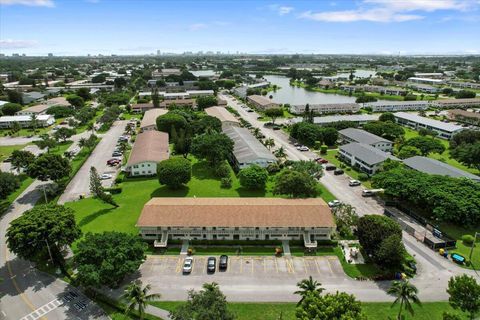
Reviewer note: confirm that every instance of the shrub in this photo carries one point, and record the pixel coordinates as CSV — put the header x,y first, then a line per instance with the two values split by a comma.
x,y
362,177
318,145
323,149
114,190
273,168
226,183
468,239
222,170
253,177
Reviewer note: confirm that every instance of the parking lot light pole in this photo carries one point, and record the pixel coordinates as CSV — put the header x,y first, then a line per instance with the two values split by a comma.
x,y
473,245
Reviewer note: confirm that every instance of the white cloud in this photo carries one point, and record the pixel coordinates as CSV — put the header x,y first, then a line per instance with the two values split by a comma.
x,y
17,44
31,3
387,10
284,10
281,10
197,26
372,15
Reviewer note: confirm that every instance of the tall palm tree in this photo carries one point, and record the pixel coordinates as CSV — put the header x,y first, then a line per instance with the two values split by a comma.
x,y
269,143
136,296
307,286
406,294
256,132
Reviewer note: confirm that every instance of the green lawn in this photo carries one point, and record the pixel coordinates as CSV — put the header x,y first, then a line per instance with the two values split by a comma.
x,y
373,310
5,203
6,151
95,216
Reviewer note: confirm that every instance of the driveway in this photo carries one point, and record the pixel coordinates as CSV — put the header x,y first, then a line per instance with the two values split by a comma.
x,y
25,292
80,184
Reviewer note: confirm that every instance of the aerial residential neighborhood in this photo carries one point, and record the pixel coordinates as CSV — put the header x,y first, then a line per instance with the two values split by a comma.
x,y
247,160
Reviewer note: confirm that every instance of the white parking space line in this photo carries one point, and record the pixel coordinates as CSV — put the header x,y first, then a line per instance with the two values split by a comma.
x,y
41,311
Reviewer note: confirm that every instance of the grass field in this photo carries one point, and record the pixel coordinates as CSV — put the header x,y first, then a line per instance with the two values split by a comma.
x,y
374,311
6,151
95,216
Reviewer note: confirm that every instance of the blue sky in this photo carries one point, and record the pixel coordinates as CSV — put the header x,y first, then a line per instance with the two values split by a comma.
x,y
79,27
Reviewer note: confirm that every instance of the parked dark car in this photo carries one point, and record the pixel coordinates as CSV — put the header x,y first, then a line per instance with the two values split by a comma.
x,y
338,172
211,264
330,167
223,262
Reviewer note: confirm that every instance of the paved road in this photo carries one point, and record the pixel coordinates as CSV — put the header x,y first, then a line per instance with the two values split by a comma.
x,y
80,184
433,270
25,291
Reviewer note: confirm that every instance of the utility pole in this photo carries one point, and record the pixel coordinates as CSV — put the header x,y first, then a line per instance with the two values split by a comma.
x,y
49,252
473,245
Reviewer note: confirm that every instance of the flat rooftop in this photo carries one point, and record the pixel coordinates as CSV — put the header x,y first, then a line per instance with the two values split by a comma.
x,y
433,166
449,127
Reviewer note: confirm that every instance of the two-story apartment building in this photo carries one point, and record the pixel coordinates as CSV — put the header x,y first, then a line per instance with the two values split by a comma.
x,y
164,219
364,157
149,149
444,130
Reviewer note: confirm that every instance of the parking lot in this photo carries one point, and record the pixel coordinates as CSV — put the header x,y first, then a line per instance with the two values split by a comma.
x,y
253,266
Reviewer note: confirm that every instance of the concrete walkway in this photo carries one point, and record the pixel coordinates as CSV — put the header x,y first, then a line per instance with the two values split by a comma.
x,y
286,248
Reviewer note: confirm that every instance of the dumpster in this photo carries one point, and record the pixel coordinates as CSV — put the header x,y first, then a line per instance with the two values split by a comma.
x,y
457,258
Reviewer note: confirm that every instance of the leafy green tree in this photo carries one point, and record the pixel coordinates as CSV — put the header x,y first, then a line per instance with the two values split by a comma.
x,y
42,229
295,184
174,172
380,236
465,94
21,159
207,304
346,219
308,286
206,101
387,130
274,113
106,258
8,184
464,294
137,297
426,145
329,136
468,154
166,122
450,316
364,99
49,167
213,147
84,93
119,82
312,168
46,142
34,123
9,109
15,96
155,99
183,143
15,128
387,116
408,152
206,124
75,100
338,306
253,177
64,133
405,293
100,78
60,111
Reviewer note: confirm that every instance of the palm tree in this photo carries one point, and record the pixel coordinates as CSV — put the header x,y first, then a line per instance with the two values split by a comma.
x,y
91,127
406,293
256,132
82,143
136,296
269,143
308,286
34,123
280,153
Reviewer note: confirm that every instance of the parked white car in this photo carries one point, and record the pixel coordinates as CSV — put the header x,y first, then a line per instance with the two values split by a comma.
x,y
106,176
333,203
187,265
354,183
303,148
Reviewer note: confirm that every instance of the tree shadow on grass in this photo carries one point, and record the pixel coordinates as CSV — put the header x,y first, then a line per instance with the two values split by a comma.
x,y
94,216
202,170
243,192
165,191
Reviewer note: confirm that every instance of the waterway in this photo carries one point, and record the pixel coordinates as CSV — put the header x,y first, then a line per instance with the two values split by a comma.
x,y
296,95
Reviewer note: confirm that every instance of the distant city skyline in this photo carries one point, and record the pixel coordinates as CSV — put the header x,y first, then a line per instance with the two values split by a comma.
x,y
405,27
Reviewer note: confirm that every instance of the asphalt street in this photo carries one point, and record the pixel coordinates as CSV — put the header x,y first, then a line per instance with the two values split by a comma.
x,y
80,184
25,292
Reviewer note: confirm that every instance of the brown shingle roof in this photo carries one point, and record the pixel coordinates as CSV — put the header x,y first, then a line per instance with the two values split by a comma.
x,y
38,108
221,113
235,212
463,113
150,117
58,101
150,146
260,100
180,102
